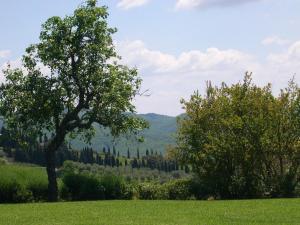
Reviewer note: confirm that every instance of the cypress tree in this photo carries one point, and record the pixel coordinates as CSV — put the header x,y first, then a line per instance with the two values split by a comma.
x,y
113,161
128,154
114,151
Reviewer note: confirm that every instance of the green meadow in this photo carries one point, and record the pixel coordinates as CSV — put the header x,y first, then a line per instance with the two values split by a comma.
x,y
268,212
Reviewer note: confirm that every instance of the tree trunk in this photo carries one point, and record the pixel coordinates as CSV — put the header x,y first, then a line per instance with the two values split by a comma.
x,y
51,149
52,182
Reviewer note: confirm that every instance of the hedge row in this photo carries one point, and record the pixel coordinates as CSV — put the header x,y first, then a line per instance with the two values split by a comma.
x,y
29,184
22,184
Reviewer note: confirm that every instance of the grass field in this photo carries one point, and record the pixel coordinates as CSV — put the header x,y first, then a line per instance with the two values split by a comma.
x,y
268,212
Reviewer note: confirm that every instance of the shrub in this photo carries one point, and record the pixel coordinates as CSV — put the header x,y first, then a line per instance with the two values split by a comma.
x,y
12,191
21,193
179,189
81,187
2,161
152,191
84,186
129,191
113,185
22,184
39,189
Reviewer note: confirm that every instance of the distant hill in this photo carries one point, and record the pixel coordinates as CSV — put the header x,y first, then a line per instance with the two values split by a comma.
x,y
157,137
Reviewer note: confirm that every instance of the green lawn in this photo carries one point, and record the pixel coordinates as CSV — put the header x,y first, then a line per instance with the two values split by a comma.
x,y
268,212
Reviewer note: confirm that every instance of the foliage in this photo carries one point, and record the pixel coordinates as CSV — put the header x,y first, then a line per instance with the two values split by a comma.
x,y
3,161
82,187
87,182
85,84
130,174
241,140
22,184
179,189
152,191
113,186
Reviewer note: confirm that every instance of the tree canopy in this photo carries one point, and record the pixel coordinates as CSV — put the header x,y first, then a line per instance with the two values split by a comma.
x,y
241,140
69,80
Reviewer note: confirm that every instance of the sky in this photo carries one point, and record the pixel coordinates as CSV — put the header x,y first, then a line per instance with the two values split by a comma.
x,y
178,45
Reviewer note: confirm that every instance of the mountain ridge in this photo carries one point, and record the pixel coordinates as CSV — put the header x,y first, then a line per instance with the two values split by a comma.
x,y
160,134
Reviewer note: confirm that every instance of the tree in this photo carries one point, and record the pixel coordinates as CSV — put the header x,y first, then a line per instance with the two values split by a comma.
x,y
114,151
84,84
128,154
241,140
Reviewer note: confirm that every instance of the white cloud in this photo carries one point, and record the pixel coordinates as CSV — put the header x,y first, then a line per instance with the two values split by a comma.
x,y
275,40
136,53
288,60
172,77
128,4
200,4
5,53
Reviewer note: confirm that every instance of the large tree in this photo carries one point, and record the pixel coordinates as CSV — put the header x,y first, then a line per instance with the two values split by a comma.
x,y
70,80
242,140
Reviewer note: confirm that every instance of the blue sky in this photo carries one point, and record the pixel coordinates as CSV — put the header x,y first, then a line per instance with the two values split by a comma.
x,y
179,44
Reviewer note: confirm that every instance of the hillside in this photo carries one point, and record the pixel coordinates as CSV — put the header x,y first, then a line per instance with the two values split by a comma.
x,y
157,137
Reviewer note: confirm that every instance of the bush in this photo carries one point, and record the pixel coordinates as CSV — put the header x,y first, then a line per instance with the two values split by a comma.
x,y
152,191
173,190
81,187
113,185
22,184
39,189
179,189
21,193
84,186
2,161
12,191
129,191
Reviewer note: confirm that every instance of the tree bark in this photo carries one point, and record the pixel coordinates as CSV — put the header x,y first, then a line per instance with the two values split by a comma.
x,y
53,146
52,182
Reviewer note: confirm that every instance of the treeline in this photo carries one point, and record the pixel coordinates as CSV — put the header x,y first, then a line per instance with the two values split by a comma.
x,y
107,157
89,182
